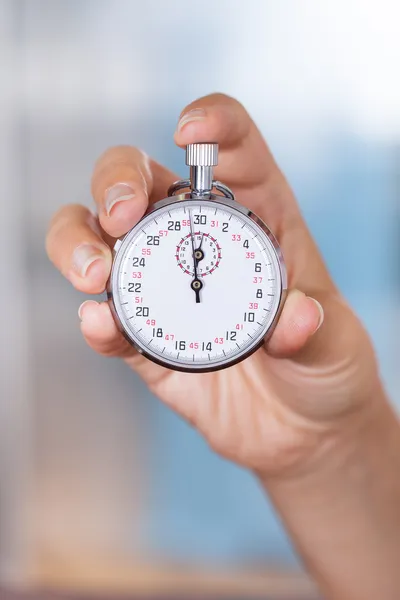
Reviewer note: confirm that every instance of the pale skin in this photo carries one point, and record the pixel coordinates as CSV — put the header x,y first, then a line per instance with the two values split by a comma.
x,y
307,413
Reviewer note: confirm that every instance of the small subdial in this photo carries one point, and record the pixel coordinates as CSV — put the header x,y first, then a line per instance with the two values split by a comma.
x,y
207,254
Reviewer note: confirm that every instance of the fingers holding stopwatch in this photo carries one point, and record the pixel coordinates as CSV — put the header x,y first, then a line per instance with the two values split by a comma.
x,y
248,167
100,331
243,153
125,180
300,319
245,162
75,245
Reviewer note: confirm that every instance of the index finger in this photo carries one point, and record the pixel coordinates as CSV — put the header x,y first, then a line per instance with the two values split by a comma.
x,y
124,182
245,160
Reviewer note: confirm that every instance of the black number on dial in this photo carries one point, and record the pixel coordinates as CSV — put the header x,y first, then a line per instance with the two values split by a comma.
x,y
134,287
139,262
206,346
153,240
231,335
249,317
174,225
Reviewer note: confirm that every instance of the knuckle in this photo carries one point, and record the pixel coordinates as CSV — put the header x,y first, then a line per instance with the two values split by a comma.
x,y
116,155
217,100
65,214
55,224
226,99
229,102
62,219
119,162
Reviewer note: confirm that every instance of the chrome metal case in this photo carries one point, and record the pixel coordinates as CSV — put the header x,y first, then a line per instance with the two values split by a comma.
x,y
112,285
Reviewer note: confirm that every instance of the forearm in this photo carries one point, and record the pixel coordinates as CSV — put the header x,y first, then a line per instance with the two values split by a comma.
x,y
344,515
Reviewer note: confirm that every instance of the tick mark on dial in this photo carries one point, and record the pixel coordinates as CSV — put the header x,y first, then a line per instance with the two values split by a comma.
x,y
266,309
230,218
124,303
237,345
151,341
224,352
258,323
129,318
250,336
169,214
209,357
163,349
271,295
177,356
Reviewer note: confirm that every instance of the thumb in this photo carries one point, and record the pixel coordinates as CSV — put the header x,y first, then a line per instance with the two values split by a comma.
x,y
302,316
340,333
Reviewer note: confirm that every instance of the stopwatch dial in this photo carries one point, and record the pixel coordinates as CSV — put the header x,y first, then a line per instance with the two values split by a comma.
x,y
207,254
214,250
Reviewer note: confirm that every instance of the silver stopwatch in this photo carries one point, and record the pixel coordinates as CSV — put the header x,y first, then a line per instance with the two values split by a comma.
x,y
198,284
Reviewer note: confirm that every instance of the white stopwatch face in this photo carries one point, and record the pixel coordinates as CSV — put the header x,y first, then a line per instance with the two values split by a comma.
x,y
197,284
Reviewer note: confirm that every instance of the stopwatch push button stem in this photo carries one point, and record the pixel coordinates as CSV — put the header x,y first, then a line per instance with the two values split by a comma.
x,y
201,158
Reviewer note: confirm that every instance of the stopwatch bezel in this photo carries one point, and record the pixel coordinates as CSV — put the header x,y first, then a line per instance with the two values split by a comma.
x,y
111,284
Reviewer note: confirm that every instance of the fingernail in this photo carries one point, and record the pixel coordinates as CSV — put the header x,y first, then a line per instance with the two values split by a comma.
x,y
84,256
120,192
196,114
321,312
82,307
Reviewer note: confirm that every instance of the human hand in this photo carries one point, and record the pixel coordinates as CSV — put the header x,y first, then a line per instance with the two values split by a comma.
x,y
283,407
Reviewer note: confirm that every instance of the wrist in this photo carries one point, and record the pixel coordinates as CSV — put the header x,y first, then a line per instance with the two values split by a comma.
x,y
341,509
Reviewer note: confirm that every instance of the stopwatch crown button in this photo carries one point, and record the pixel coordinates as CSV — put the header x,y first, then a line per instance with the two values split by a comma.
x,y
202,155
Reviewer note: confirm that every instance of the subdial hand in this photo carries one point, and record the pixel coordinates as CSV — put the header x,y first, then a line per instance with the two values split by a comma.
x,y
199,254
196,284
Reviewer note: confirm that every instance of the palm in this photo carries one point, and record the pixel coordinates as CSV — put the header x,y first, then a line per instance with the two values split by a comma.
x,y
268,398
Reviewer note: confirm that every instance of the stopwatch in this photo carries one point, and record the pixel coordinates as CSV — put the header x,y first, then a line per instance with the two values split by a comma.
x,y
198,284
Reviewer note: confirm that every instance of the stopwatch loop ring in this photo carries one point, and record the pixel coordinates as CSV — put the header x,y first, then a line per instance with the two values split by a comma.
x,y
182,184
186,183
221,187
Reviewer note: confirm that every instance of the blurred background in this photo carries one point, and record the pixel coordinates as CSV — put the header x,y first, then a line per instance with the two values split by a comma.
x,y
100,485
